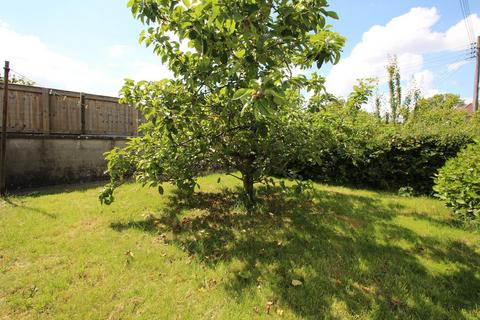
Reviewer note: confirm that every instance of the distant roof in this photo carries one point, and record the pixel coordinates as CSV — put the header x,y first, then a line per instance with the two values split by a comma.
x,y
465,107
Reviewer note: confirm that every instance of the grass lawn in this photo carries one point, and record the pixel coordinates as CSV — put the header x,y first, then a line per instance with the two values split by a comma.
x,y
351,254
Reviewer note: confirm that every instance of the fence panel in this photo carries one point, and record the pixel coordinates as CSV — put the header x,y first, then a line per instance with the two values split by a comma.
x,y
24,112
49,111
64,114
108,117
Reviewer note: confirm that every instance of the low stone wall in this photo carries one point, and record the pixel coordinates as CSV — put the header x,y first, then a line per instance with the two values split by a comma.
x,y
42,160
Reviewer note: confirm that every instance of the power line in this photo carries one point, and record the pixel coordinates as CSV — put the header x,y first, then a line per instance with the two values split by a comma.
x,y
464,15
447,75
444,58
435,64
469,18
413,70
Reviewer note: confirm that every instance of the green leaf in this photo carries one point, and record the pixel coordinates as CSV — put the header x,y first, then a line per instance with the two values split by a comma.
x,y
241,94
278,96
240,53
141,37
332,14
263,108
186,3
230,25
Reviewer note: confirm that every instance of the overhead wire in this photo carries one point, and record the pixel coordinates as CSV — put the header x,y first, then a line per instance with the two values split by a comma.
x,y
447,75
21,76
438,61
442,58
465,22
469,18
416,69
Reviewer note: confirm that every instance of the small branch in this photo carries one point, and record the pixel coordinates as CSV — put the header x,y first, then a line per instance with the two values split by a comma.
x,y
184,143
231,174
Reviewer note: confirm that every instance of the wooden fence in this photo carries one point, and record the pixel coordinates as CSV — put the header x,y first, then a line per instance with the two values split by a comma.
x,y
37,110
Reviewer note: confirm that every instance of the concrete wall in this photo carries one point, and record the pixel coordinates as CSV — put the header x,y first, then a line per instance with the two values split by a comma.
x,y
38,160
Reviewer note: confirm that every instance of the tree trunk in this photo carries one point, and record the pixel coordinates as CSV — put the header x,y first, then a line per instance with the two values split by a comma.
x,y
249,190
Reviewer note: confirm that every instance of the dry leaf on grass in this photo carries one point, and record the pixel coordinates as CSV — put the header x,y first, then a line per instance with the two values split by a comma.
x,y
296,283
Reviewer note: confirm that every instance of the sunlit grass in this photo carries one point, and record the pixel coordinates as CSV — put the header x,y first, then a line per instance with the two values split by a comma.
x,y
358,255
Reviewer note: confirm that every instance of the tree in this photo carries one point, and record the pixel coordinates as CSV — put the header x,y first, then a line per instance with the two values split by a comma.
x,y
362,91
234,100
440,101
378,106
410,105
394,87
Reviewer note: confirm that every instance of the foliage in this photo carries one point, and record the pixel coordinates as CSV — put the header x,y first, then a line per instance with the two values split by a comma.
x,y
361,93
440,101
395,88
378,106
359,150
234,101
406,192
458,183
359,255
19,80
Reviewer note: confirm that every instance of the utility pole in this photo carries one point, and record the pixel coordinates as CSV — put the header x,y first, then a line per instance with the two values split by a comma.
x,y
475,80
3,149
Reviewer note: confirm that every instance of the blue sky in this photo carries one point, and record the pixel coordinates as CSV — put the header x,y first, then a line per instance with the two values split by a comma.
x,y
91,45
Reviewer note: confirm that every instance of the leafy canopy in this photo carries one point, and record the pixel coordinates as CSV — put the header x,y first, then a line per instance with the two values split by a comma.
x,y
458,183
235,101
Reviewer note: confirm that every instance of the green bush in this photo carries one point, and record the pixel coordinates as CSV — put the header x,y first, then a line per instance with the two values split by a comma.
x,y
358,149
458,183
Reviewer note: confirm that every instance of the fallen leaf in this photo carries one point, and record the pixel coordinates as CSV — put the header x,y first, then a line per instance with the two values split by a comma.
x,y
211,283
296,283
269,306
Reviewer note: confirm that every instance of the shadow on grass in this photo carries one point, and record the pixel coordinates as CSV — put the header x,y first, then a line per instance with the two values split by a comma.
x,y
350,256
56,189
19,204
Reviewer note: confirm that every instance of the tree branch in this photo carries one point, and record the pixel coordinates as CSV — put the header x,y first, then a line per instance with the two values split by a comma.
x,y
231,174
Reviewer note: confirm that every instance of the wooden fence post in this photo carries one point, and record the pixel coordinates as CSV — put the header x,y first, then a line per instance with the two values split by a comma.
x,y
82,112
46,110
3,150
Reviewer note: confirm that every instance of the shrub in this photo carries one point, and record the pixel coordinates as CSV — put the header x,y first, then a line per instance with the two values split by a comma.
x,y
406,192
358,149
408,159
458,183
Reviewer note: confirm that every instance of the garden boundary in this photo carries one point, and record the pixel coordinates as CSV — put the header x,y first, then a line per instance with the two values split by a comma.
x,y
57,136
38,110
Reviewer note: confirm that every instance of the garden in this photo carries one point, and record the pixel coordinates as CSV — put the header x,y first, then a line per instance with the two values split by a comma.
x,y
339,253
241,198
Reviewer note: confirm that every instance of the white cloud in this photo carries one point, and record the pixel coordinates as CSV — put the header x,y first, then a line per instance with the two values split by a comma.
x,y
118,50
410,37
455,66
148,71
425,82
30,56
